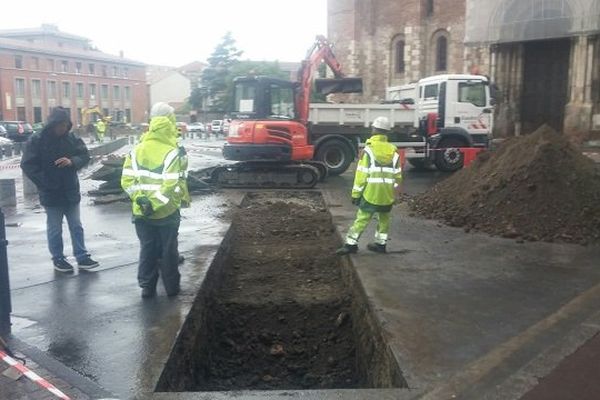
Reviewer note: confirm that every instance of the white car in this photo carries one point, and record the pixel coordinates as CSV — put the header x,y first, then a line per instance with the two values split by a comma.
x,y
196,127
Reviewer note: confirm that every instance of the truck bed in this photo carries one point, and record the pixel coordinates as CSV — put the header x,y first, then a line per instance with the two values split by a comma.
x,y
360,114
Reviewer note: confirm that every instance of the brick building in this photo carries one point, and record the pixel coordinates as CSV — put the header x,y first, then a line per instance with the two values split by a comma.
x,y
545,57
43,67
390,43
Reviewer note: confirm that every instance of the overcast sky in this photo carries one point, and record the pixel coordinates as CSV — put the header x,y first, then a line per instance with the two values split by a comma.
x,y
177,32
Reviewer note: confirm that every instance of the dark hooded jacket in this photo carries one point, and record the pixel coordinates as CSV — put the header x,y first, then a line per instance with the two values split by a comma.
x,y
57,186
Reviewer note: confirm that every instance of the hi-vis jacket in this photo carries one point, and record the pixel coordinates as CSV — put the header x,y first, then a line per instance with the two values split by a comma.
x,y
157,169
378,172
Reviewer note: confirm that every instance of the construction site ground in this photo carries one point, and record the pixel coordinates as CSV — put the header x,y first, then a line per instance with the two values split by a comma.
x,y
466,315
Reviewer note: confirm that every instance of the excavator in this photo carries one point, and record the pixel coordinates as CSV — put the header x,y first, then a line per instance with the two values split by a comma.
x,y
270,135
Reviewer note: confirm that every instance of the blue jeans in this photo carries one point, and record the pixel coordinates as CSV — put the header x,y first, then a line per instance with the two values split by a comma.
x,y
54,219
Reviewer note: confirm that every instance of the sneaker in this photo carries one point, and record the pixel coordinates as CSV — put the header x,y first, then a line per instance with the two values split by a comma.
x,y
148,292
62,265
376,247
87,263
347,249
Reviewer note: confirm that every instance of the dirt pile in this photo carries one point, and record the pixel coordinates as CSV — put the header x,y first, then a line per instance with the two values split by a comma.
x,y
535,187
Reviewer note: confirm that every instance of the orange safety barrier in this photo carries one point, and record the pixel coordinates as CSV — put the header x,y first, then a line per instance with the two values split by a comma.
x,y
469,154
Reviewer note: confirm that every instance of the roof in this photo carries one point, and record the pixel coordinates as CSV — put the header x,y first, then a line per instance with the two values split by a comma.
x,y
14,39
44,30
194,66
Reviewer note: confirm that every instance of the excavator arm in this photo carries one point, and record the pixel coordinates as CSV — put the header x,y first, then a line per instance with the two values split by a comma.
x,y
322,51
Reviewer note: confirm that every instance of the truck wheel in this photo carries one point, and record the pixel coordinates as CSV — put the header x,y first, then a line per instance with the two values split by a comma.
x,y
336,155
450,159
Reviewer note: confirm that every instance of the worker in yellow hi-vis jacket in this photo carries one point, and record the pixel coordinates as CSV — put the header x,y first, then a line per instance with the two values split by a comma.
x,y
376,184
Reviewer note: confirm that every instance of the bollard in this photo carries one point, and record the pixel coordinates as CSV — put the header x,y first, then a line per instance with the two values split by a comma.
x,y
8,193
29,188
5,305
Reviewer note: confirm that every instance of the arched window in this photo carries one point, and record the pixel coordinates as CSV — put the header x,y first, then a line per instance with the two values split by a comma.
x,y
399,64
441,53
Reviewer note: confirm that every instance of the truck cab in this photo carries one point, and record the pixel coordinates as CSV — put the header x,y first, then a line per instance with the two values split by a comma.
x,y
453,112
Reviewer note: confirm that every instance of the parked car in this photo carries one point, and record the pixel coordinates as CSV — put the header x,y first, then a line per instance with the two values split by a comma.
x,y
2,131
197,127
216,126
17,131
226,126
182,127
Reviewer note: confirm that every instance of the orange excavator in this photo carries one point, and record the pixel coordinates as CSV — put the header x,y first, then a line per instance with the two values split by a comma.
x,y
269,133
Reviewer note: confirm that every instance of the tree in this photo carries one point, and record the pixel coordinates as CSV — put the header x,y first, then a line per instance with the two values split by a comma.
x,y
215,75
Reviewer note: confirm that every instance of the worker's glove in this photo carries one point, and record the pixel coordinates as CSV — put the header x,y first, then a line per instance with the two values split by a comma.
x,y
145,205
356,201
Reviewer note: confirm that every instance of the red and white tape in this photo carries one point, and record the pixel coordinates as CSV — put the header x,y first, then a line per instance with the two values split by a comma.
x,y
33,376
10,166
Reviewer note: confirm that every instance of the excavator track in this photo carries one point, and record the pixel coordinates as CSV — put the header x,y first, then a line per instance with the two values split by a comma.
x,y
267,175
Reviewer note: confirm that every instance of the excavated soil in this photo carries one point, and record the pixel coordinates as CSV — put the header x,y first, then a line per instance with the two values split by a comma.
x,y
535,187
281,318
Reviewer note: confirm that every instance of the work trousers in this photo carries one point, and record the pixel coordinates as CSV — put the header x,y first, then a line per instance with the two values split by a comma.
x,y
54,221
362,220
158,242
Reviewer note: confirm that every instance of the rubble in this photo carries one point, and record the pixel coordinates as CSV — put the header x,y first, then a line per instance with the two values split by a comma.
x,y
110,173
535,187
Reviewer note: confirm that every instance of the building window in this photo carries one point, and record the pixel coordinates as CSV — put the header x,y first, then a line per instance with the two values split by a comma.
x,y
36,88
20,87
35,63
429,7
115,71
37,114
127,93
116,93
125,72
104,92
92,69
79,90
66,92
19,62
104,70
128,115
21,114
51,89
441,53
78,115
399,64
92,91
77,67
64,66
51,64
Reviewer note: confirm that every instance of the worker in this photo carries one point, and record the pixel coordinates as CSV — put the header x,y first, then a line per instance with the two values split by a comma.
x,y
154,177
100,130
376,185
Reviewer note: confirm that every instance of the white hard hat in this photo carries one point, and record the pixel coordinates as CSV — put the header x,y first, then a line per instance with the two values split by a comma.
x,y
382,123
161,110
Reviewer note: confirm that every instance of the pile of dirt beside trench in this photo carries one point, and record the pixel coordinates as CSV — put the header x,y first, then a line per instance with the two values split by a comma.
x,y
535,187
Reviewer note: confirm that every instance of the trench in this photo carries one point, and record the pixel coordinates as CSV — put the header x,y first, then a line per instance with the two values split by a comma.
x,y
278,310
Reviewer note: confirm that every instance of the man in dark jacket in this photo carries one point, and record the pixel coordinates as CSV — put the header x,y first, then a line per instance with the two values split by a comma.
x,y
51,160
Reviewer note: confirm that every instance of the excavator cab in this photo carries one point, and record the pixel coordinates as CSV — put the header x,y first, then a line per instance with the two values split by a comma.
x,y
264,98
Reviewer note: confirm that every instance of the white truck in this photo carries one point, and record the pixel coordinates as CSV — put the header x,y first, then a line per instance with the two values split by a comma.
x,y
449,112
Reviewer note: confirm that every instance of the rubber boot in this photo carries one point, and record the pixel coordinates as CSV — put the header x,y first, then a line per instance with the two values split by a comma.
x,y
376,247
347,249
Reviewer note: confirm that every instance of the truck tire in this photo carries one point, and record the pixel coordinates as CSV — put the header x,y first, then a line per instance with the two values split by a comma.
x,y
336,155
451,159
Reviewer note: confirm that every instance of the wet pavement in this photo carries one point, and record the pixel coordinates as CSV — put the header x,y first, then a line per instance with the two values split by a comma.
x,y
467,315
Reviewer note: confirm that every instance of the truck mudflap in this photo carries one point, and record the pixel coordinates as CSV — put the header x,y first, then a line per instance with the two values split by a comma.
x,y
266,175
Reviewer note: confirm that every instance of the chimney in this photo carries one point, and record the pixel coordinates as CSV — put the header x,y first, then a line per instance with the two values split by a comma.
x,y
121,53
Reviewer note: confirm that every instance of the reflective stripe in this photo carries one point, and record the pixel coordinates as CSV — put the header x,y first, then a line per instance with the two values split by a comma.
x,y
370,170
371,156
177,189
358,188
150,174
134,164
148,187
381,180
169,159
164,199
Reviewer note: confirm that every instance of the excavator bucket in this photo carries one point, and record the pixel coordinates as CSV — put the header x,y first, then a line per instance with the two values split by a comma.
x,y
340,85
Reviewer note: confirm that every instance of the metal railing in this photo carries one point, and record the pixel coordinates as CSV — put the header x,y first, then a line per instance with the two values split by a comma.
x,y
5,304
